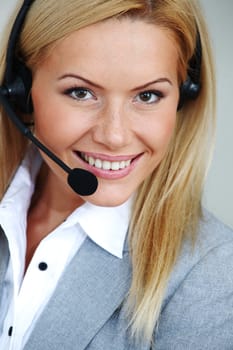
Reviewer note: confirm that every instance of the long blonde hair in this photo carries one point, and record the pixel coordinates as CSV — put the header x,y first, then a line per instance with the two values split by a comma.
x,y
167,208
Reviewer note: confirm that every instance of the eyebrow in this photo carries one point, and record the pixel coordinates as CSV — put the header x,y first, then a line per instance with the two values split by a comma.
x,y
79,77
160,80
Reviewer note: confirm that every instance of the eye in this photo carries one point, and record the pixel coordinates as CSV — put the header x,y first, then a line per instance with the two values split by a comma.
x,y
149,97
79,93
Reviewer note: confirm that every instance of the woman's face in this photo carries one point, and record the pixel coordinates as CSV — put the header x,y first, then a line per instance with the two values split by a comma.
x,y
105,100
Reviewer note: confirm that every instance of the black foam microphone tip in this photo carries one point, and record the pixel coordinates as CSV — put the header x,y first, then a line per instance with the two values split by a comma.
x,y
83,182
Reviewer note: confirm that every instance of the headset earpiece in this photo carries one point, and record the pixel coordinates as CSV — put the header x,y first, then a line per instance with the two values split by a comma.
x,y
19,89
190,88
188,91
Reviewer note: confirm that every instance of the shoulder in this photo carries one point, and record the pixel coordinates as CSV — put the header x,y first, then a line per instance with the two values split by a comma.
x,y
214,239
213,232
198,307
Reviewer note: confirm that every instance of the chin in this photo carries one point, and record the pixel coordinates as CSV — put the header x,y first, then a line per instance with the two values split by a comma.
x,y
109,200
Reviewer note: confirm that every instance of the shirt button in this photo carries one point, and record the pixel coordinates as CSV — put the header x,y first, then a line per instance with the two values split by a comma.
x,y
43,266
10,330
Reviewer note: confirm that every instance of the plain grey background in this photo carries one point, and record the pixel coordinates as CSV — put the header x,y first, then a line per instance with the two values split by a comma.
x,y
219,188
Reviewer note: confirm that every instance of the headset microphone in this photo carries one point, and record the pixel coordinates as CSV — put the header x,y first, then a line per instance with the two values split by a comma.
x,y
15,93
81,181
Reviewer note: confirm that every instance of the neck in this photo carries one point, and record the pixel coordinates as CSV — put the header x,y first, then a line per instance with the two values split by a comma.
x,y
51,196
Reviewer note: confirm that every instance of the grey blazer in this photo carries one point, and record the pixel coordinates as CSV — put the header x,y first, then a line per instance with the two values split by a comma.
x,y
85,311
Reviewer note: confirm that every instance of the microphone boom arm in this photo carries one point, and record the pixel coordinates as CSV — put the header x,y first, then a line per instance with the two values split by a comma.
x,y
27,132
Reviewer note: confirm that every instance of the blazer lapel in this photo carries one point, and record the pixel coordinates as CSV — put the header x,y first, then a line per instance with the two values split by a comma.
x,y
91,289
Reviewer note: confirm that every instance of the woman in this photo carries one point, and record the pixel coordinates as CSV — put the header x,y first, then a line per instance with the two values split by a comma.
x,y
137,264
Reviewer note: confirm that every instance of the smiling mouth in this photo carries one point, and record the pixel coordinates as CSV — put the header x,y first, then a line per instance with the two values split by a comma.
x,y
106,164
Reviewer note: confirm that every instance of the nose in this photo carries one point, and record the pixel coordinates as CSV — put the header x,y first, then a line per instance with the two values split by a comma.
x,y
113,129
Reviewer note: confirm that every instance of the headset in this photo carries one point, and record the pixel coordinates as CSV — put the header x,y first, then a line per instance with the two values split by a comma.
x,y
15,94
190,88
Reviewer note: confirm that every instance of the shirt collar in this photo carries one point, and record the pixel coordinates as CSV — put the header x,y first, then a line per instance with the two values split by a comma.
x,y
106,226
18,195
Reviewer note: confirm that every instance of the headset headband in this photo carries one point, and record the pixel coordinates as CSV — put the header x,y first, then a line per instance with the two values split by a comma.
x,y
12,43
18,80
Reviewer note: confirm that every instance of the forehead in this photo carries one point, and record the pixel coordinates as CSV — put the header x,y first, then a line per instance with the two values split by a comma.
x,y
122,46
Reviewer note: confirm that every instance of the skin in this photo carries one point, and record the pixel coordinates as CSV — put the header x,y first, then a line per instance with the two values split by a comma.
x,y
113,99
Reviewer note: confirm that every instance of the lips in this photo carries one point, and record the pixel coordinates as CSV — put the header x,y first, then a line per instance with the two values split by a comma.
x,y
106,164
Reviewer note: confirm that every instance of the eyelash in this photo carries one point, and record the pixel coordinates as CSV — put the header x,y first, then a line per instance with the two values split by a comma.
x,y
157,95
72,90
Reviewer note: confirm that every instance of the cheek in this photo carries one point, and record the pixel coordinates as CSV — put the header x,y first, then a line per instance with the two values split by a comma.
x,y
51,133
44,113
51,120
161,132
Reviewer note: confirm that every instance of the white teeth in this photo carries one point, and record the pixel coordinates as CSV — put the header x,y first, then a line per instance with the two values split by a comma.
x,y
105,164
98,163
90,160
122,164
115,166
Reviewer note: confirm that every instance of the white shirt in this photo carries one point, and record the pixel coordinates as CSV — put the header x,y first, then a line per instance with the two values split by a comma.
x,y
25,297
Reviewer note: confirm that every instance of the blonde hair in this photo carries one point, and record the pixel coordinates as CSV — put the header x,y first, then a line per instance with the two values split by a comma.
x,y
167,208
